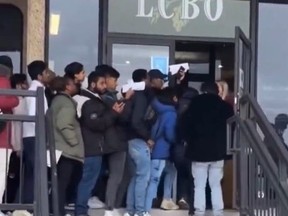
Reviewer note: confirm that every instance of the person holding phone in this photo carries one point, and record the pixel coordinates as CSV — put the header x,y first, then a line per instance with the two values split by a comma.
x,y
116,137
96,120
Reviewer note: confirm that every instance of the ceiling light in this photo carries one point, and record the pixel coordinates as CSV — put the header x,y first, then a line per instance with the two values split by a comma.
x,y
220,66
127,62
54,24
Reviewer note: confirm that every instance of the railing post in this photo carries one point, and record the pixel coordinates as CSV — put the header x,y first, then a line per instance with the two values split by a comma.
x,y
42,184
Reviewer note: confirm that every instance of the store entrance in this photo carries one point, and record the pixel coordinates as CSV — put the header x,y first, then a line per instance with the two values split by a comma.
x,y
211,62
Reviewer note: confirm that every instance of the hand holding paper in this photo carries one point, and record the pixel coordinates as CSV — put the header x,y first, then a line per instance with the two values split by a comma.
x,y
174,69
135,86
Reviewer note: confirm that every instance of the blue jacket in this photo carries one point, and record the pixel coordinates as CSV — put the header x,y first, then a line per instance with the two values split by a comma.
x,y
164,130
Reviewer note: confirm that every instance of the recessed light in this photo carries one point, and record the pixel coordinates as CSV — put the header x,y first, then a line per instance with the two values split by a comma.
x,y
127,62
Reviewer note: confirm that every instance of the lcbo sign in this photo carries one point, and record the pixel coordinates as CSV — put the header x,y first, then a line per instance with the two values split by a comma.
x,y
190,9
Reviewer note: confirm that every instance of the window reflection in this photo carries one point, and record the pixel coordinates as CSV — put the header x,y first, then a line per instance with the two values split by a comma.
x,y
126,58
16,59
272,61
73,33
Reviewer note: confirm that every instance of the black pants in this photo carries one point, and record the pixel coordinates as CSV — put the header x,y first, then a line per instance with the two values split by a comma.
x,y
65,169
29,164
116,163
13,179
122,191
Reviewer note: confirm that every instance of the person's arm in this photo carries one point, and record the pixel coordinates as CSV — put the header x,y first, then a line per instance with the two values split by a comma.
x,y
96,120
170,128
7,102
137,119
65,120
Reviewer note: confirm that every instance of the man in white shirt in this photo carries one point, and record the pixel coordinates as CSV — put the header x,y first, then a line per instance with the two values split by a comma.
x,y
38,72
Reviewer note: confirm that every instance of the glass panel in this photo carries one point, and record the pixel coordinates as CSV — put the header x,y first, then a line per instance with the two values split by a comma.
x,y
272,73
73,35
196,85
16,59
127,57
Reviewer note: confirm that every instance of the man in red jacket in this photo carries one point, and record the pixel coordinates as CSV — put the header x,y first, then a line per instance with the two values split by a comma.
x,y
7,103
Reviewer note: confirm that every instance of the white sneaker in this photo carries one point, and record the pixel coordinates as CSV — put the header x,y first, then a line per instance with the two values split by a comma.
x,y
147,214
127,214
169,205
2,214
109,213
95,203
21,213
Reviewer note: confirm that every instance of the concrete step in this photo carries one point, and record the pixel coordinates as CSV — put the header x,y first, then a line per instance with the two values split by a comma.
x,y
159,212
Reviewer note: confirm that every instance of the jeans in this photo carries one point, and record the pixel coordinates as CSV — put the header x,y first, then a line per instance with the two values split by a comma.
x,y
157,167
214,172
140,155
170,174
91,171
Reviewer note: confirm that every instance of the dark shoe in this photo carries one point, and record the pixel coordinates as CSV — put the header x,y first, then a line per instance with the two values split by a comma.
x,y
183,205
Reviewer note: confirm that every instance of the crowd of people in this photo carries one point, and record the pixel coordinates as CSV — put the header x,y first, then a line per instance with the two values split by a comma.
x,y
138,136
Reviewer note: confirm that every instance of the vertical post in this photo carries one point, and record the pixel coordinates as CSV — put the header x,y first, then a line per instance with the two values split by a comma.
x,y
54,181
41,155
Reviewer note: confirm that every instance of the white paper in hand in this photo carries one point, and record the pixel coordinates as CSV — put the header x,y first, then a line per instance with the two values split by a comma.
x,y
57,155
174,69
136,86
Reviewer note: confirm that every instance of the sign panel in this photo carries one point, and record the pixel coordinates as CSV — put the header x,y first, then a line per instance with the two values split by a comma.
x,y
161,63
196,18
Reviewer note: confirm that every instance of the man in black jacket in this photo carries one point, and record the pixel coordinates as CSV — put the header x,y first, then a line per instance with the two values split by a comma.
x,y
139,149
96,119
204,127
116,140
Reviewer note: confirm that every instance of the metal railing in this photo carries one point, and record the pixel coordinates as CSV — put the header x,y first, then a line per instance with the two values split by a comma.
x,y
262,179
40,206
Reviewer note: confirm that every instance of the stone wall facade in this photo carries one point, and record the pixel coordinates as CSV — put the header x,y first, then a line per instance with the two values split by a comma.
x,y
34,28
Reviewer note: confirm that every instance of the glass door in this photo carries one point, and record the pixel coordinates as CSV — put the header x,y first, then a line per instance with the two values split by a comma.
x,y
127,55
242,66
242,87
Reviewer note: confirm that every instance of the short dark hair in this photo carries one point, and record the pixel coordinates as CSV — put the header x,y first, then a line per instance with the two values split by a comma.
x,y
36,68
17,79
73,69
94,77
108,71
6,61
166,96
139,75
210,87
59,83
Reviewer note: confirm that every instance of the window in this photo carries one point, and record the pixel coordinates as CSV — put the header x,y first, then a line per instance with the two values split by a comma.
x,y
128,57
73,34
11,34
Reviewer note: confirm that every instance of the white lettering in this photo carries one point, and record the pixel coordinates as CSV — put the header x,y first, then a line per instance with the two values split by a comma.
x,y
162,10
185,9
141,10
190,10
219,10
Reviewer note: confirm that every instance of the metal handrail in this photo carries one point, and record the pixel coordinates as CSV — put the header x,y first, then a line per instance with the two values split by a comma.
x,y
40,206
258,147
249,145
266,126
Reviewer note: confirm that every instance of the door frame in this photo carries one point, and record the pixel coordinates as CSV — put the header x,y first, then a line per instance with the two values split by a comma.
x,y
242,73
240,37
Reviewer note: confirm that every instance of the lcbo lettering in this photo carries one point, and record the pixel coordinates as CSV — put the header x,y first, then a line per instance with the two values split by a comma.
x,y
190,9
